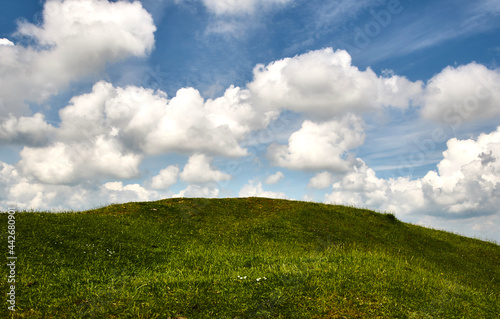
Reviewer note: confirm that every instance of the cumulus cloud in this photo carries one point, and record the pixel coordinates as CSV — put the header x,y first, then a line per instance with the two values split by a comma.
x,y
468,92
466,184
18,191
62,163
23,192
32,130
77,38
166,178
8,177
251,190
235,110
198,170
108,131
275,178
207,191
468,179
4,41
321,180
363,188
116,192
320,146
213,126
324,83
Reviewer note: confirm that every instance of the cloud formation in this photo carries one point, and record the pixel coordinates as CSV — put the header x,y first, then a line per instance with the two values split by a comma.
x,y
77,38
166,178
465,93
23,130
198,171
65,163
466,184
206,191
324,83
23,192
321,180
118,193
17,190
251,190
4,41
275,178
107,133
320,146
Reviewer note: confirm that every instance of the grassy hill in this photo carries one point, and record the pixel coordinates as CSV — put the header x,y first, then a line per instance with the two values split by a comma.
x,y
245,258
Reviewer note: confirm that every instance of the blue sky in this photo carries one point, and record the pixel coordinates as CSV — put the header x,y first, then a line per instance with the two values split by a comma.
x,y
390,105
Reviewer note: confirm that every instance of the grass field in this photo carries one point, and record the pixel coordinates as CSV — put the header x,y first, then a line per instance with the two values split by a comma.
x,y
245,258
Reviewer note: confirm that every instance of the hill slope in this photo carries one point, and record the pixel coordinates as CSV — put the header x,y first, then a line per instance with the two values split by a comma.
x,y
246,258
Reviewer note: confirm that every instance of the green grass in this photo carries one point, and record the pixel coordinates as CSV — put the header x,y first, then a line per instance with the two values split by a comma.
x,y
185,257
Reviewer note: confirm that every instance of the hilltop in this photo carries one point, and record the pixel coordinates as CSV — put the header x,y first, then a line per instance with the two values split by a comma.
x,y
246,258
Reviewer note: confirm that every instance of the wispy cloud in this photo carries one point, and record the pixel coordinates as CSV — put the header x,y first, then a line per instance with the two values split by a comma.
x,y
433,25
326,19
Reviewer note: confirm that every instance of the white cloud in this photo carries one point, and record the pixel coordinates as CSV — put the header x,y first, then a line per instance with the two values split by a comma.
x,y
23,193
4,41
320,146
240,7
25,130
321,180
198,170
214,126
115,192
466,184
207,191
323,84
275,178
27,194
362,188
166,178
251,190
235,110
8,177
77,162
468,179
17,190
77,38
108,131
465,93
